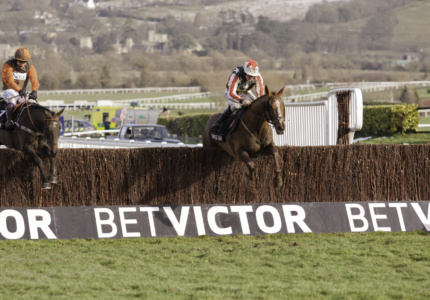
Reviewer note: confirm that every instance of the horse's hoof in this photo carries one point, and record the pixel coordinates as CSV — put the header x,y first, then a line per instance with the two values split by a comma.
x,y
277,182
53,179
46,186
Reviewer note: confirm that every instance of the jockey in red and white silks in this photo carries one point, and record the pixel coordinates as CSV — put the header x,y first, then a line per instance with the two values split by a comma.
x,y
238,89
240,83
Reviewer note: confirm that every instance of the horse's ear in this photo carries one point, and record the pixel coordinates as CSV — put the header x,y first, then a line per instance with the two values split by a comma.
x,y
267,90
60,112
279,94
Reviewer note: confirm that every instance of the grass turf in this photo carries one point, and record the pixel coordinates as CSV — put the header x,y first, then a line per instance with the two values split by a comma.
x,y
296,266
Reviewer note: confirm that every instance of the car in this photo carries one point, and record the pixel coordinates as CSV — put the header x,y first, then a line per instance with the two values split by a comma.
x,y
78,126
146,132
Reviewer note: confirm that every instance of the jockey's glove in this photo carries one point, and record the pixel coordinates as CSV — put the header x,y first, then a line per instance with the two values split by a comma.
x,y
22,93
33,95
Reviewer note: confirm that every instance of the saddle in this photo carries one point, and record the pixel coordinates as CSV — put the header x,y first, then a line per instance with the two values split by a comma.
x,y
228,126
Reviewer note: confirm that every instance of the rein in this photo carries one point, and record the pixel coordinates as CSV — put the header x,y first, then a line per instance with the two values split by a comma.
x,y
264,118
36,133
265,112
29,116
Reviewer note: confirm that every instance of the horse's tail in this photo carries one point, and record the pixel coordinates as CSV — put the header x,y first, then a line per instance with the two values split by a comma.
x,y
207,141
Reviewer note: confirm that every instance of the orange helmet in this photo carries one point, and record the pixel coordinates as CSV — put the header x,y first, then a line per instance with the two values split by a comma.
x,y
251,68
22,54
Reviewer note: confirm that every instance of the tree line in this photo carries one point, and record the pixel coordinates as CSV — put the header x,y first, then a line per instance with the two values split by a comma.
x,y
332,36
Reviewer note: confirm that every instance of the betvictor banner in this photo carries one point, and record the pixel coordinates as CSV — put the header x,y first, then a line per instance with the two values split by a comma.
x,y
213,220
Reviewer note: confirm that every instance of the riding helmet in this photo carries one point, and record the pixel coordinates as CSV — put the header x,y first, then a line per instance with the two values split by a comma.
x,y
251,68
22,54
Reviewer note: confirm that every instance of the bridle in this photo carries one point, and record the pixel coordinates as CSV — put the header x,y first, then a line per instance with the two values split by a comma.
x,y
266,111
266,117
45,126
37,132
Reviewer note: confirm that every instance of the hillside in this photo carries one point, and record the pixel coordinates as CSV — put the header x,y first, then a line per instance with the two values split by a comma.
x,y
194,42
412,27
285,10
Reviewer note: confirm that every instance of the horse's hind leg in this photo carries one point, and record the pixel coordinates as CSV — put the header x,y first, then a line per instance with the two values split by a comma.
x,y
273,151
244,156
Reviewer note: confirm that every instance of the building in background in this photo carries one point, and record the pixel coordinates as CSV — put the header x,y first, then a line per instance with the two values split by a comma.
x,y
89,4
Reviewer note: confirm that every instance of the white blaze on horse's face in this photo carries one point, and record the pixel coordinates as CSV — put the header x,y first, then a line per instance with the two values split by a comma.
x,y
278,122
52,133
280,114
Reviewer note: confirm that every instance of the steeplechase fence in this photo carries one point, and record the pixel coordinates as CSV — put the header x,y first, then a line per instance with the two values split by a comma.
x,y
176,176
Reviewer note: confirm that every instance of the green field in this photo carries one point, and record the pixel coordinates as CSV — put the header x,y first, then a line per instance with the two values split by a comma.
x,y
291,266
407,138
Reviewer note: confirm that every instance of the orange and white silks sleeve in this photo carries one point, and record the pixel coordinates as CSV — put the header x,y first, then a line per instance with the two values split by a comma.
x,y
259,87
232,87
32,74
7,75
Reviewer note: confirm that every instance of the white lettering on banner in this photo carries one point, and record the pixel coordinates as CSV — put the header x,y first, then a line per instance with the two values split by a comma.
x,y
299,219
43,224
360,216
107,222
425,220
150,211
259,214
242,210
124,221
182,224
212,212
398,207
19,220
375,217
199,220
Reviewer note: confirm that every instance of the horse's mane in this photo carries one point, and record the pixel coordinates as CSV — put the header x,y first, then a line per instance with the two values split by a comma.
x,y
38,106
32,106
262,98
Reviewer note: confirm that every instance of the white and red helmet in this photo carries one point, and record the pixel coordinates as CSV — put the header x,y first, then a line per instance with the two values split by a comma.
x,y
251,68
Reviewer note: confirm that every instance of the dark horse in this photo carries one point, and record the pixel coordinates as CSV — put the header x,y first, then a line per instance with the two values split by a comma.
x,y
36,133
252,136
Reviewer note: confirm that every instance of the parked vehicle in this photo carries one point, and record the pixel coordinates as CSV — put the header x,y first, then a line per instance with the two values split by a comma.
x,y
132,116
78,126
145,132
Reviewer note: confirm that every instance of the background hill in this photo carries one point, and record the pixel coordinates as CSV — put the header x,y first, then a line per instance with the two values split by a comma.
x,y
191,42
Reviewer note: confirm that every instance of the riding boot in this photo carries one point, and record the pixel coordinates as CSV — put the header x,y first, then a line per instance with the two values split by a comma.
x,y
222,118
9,111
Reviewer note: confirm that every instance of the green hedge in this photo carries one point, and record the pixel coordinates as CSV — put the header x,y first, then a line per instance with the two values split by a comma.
x,y
388,120
192,126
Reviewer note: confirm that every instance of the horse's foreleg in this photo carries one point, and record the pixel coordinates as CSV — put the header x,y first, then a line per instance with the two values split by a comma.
x,y
52,171
244,156
273,150
38,161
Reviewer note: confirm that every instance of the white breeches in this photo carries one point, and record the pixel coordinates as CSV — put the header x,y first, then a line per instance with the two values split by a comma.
x,y
12,93
16,100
